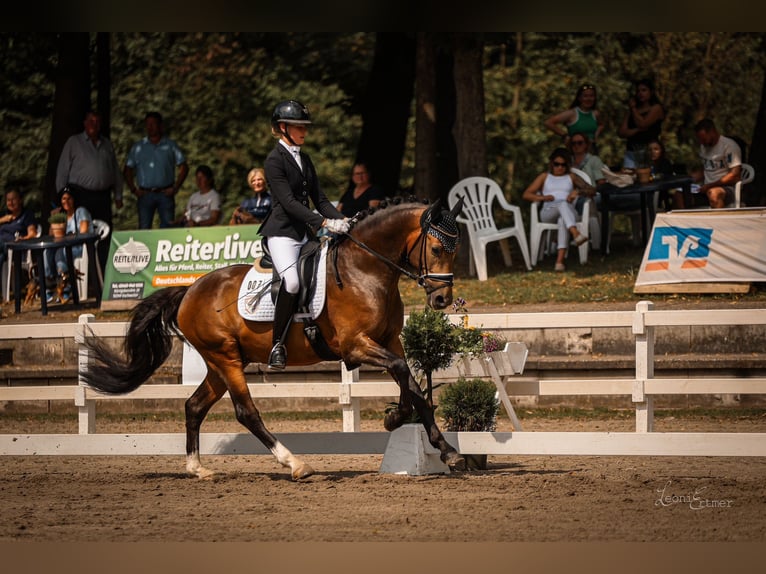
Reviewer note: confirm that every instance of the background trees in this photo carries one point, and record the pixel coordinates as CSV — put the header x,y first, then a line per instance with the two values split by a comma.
x,y
409,104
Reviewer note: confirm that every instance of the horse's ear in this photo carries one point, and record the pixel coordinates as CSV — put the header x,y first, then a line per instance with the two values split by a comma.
x,y
458,207
431,215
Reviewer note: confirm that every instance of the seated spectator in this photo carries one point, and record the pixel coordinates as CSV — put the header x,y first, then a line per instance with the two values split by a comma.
x,y
558,188
253,209
721,161
78,220
582,116
16,223
582,159
361,194
662,167
204,206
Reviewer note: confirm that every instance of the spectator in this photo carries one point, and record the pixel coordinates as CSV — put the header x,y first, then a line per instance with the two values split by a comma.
x,y
641,124
721,162
150,172
253,209
558,188
662,167
293,181
78,220
204,206
88,165
591,164
582,116
17,223
361,194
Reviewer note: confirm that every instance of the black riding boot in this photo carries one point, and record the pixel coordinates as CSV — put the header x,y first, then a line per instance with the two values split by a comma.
x,y
283,316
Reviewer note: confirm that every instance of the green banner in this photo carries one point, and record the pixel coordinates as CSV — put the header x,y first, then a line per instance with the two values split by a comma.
x,y
143,261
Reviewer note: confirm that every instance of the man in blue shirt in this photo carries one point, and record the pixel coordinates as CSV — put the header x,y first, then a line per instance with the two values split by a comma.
x,y
150,172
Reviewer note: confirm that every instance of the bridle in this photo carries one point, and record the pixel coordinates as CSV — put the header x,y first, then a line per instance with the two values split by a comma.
x,y
422,277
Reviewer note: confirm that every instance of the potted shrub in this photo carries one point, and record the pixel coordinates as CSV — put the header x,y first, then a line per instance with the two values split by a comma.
x,y
57,223
470,405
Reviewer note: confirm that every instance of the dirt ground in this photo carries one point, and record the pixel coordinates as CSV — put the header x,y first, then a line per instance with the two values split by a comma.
x,y
252,498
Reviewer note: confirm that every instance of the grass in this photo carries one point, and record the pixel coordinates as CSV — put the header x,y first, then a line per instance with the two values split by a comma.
x,y
601,280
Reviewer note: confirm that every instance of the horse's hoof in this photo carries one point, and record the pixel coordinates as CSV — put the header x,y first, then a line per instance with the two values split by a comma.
x,y
394,420
303,471
454,460
203,473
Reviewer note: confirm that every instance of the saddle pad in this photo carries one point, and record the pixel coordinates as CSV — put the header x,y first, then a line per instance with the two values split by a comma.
x,y
263,309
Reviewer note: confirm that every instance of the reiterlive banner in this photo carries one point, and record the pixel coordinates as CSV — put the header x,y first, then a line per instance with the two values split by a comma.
x,y
143,261
706,246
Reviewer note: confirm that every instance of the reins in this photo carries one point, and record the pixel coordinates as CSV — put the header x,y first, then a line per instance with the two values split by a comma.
x,y
446,278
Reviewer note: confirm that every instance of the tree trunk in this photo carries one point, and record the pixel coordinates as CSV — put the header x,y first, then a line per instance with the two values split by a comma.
x,y
71,101
386,108
104,81
470,131
758,154
426,180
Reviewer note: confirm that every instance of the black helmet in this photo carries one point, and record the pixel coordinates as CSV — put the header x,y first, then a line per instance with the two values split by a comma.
x,y
290,112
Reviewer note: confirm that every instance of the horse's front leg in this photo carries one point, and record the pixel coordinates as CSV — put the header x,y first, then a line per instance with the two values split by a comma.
x,y
412,395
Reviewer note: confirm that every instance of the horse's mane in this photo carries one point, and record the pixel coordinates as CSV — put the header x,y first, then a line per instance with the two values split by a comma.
x,y
365,217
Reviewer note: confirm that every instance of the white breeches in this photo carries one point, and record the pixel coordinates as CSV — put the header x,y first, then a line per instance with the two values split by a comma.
x,y
563,212
284,254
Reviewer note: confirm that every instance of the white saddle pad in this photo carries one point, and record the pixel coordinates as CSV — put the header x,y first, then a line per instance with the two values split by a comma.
x,y
253,308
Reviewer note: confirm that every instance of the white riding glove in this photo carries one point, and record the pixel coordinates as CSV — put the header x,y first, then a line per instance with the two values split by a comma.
x,y
336,225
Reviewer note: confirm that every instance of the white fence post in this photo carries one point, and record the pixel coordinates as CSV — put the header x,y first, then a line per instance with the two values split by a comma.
x,y
349,404
644,367
86,409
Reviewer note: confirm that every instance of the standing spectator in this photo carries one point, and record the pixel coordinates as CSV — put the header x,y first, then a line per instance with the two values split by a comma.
x,y
78,220
361,194
88,165
16,223
150,172
582,116
558,189
293,181
255,208
204,206
721,162
641,124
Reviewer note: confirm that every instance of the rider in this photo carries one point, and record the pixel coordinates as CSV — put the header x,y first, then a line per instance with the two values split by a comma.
x,y
293,180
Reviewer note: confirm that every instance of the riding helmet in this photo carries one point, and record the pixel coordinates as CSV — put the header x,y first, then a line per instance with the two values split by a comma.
x,y
290,112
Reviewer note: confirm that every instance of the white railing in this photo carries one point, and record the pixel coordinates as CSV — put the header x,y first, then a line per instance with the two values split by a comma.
x,y
642,388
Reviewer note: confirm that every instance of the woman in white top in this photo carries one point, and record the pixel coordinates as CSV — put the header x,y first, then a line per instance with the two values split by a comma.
x,y
558,188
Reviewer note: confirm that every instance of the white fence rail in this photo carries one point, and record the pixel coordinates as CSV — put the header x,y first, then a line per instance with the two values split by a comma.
x,y
642,388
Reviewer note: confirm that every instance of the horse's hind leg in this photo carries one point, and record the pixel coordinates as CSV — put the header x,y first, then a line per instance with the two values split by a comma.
x,y
197,407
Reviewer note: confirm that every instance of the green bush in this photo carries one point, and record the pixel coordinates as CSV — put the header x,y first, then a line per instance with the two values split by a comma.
x,y
469,405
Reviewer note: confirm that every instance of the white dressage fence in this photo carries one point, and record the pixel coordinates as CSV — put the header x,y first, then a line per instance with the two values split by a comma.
x,y
642,388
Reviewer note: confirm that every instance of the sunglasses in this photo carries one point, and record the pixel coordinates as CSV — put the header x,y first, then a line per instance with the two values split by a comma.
x,y
559,164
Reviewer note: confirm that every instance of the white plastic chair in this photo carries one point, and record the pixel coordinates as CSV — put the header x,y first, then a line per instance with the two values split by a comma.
x,y
541,235
100,228
479,195
747,175
26,265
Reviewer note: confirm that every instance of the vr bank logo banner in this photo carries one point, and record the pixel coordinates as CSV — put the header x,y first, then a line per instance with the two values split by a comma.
x,y
678,249
710,246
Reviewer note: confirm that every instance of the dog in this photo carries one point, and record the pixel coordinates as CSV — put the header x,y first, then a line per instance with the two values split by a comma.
x,y
33,287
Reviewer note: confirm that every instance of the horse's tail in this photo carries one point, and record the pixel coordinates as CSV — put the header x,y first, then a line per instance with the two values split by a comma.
x,y
153,325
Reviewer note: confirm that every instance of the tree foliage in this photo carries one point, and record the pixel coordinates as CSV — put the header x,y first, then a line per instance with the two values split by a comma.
x,y
217,91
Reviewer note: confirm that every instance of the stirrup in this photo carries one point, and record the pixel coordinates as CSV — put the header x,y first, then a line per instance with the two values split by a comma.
x,y
278,357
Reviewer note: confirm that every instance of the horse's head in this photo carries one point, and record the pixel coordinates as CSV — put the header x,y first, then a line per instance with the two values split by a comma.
x,y
437,257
